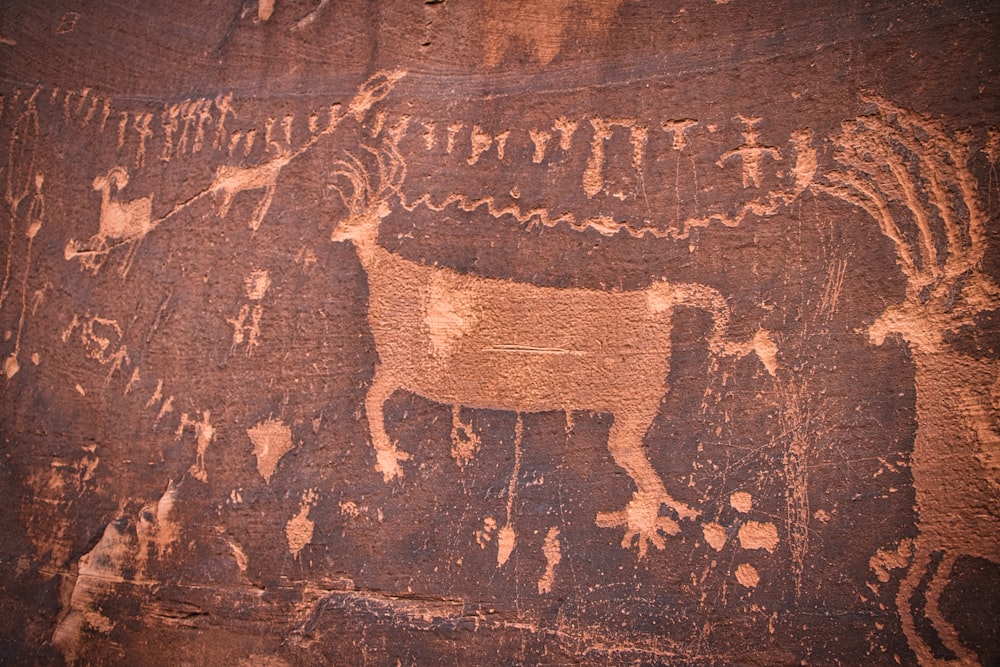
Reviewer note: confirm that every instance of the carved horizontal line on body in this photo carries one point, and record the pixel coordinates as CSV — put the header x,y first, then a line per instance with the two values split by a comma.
x,y
528,349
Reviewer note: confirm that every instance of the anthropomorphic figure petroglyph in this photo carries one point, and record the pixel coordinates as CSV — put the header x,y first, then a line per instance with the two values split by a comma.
x,y
751,152
499,344
888,158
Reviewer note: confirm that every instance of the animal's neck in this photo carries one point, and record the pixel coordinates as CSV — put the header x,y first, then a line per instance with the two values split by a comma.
x,y
367,247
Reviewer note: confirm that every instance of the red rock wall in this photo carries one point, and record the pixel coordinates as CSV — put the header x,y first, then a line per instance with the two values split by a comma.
x,y
618,332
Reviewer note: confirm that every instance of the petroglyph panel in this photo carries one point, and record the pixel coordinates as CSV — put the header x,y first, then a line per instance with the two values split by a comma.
x,y
500,333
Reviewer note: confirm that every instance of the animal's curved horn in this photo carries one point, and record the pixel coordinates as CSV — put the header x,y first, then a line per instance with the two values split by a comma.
x,y
374,90
118,176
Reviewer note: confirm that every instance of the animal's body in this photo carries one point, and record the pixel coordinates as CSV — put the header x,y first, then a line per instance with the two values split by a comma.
x,y
957,447
120,219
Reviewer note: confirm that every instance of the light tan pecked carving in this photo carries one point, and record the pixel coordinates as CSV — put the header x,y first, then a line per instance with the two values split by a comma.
x,y
913,178
486,343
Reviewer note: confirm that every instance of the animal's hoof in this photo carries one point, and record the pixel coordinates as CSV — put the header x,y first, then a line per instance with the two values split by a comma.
x,y
642,522
387,462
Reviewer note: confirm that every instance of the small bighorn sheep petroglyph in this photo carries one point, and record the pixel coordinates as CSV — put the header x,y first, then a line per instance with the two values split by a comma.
x,y
499,344
124,221
939,234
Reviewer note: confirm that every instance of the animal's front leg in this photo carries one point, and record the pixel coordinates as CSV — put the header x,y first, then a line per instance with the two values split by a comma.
x,y
641,517
226,202
261,209
386,454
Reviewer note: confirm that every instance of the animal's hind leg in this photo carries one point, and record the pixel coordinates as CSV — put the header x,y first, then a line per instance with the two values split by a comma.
x,y
387,456
641,517
946,631
904,602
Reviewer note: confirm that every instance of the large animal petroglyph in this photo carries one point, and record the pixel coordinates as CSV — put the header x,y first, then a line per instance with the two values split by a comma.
x,y
500,344
913,178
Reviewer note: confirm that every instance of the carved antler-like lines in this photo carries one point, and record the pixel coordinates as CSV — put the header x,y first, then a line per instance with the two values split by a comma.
x,y
898,157
362,195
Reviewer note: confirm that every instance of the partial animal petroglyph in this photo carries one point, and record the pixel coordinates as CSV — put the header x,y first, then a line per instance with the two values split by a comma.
x,y
913,178
230,181
499,344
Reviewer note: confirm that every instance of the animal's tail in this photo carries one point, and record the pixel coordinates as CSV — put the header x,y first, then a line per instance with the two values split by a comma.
x,y
665,296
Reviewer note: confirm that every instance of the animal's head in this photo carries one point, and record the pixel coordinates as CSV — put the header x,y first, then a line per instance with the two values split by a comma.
x,y
911,321
116,177
366,192
924,320
359,225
